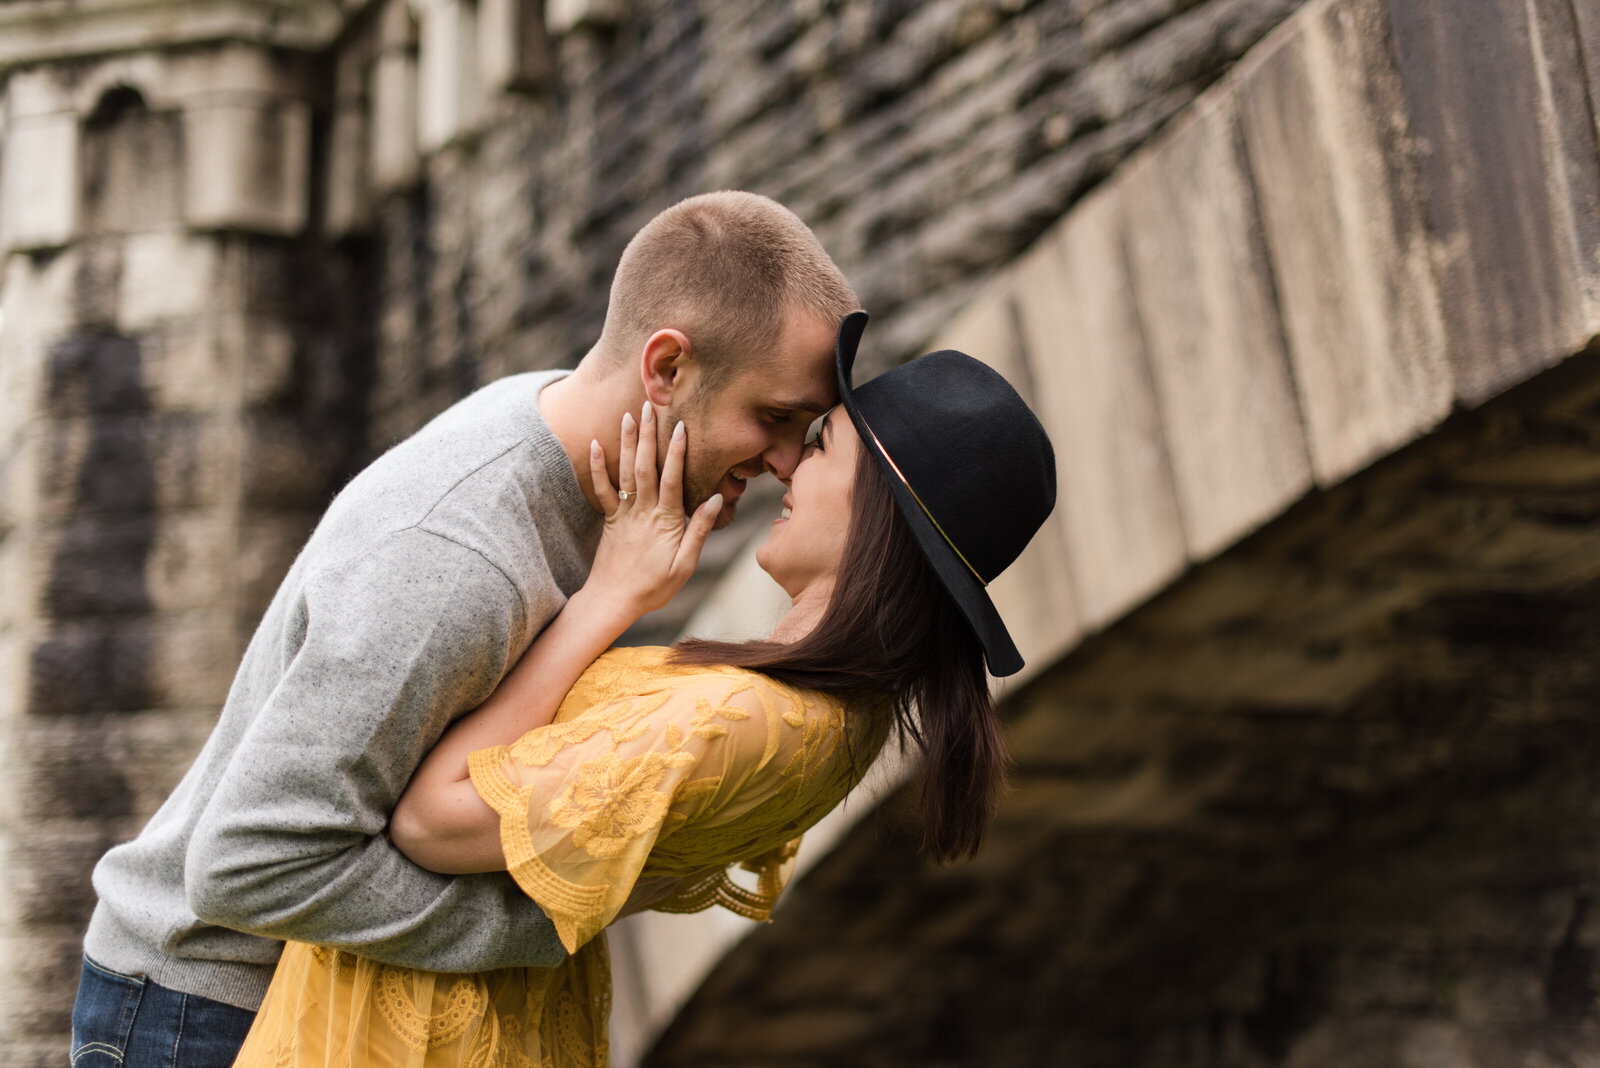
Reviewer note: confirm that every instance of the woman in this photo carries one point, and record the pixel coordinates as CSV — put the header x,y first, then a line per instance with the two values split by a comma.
x,y
608,781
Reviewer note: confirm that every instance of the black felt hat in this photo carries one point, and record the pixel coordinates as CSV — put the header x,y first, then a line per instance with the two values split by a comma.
x,y
971,469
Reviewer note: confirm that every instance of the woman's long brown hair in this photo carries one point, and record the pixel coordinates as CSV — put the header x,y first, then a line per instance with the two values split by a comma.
x,y
892,638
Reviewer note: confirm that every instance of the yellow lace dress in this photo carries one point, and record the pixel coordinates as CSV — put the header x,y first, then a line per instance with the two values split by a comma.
x,y
650,772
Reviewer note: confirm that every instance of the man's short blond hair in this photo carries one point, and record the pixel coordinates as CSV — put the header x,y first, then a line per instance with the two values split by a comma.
x,y
726,269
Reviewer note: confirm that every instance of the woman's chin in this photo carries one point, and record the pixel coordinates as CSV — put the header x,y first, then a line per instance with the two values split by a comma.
x,y
770,562
764,558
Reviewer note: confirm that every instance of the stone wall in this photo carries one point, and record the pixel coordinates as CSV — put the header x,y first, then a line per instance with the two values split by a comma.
x,y
183,383
237,270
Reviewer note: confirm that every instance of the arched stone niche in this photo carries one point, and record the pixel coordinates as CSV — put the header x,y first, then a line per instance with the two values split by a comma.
x,y
132,165
226,129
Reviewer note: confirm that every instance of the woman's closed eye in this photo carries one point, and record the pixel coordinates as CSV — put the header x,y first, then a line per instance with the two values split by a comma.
x,y
814,435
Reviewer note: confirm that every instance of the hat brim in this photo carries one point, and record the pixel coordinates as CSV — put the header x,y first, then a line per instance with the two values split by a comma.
x,y
964,588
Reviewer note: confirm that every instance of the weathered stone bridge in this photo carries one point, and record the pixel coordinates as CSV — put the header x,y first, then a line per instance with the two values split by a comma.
x,y
1307,294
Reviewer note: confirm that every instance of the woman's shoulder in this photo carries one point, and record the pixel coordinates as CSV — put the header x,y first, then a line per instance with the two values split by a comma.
x,y
646,671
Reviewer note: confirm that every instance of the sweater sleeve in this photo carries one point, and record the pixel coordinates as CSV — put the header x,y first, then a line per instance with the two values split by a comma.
x,y
397,643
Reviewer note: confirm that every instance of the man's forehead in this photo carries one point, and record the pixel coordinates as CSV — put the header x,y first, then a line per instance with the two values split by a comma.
x,y
782,385
811,403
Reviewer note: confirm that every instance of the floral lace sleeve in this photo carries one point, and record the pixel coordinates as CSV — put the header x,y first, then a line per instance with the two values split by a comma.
x,y
583,801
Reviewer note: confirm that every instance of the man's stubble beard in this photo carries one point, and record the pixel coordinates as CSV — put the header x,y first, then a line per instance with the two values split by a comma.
x,y
698,486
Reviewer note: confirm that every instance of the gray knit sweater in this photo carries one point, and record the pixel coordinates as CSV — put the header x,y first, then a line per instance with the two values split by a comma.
x,y
430,574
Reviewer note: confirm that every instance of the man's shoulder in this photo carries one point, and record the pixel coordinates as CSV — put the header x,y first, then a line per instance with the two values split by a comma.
x,y
486,473
496,431
482,425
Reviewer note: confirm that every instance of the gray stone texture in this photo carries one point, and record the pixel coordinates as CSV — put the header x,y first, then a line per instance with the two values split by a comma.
x,y
1085,347
1325,130
235,272
1204,291
1499,105
181,397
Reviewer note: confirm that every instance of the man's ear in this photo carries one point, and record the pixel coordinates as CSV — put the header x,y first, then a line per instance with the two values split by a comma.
x,y
662,364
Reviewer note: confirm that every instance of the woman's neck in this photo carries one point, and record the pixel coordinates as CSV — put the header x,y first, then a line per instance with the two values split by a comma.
x,y
806,609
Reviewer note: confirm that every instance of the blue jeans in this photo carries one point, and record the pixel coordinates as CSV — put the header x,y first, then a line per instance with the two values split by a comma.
x,y
126,1021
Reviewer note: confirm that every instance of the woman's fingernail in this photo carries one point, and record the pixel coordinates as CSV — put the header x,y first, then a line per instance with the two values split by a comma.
x,y
594,446
715,503
677,431
647,413
627,420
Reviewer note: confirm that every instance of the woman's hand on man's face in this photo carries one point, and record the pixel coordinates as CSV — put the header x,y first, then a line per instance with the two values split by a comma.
x,y
648,550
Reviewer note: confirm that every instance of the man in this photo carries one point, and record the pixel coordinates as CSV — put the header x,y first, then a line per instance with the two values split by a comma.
x,y
426,579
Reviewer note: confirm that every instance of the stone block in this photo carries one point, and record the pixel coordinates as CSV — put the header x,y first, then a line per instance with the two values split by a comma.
x,y
232,70
450,94
165,276
153,76
1499,106
1324,120
15,649
1588,16
196,461
564,16
39,183
190,561
133,169
257,278
185,369
97,567
36,297
248,166
37,294
212,364
121,465
1117,505
193,656
47,871
140,756
1035,595
513,52
397,26
267,546
181,79
346,181
283,466
1203,290
24,559
42,479
98,284
94,373
38,91
116,664
81,666
42,973
394,125
263,351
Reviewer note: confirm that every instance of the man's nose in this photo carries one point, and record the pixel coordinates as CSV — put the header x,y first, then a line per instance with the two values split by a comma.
x,y
784,456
